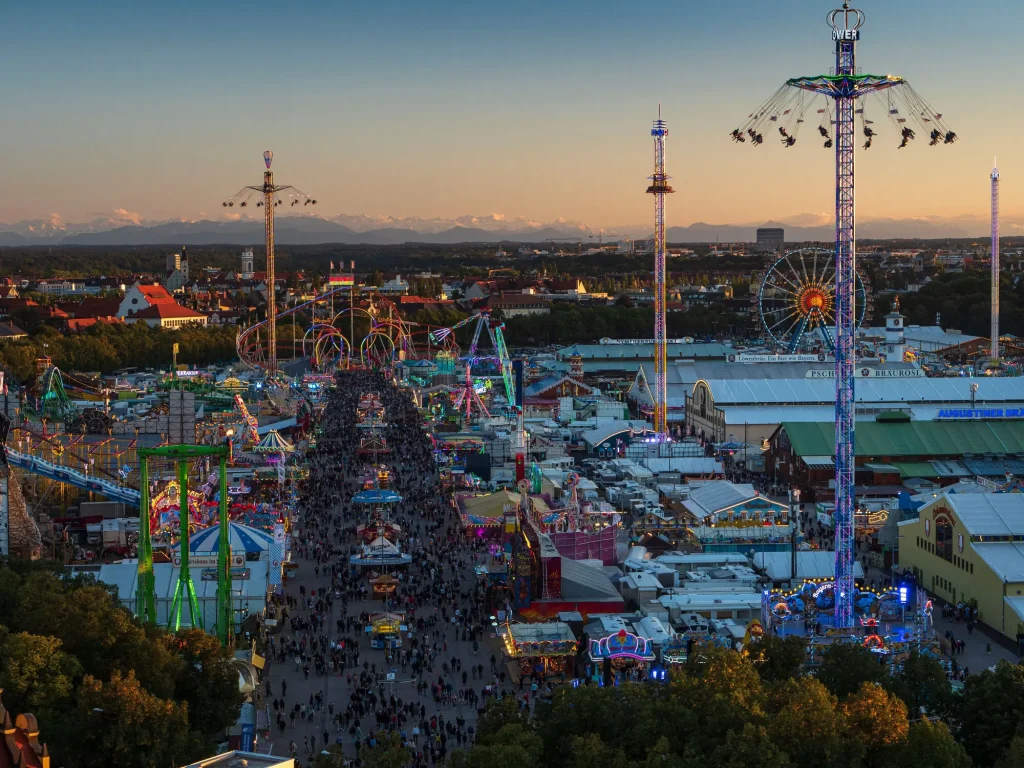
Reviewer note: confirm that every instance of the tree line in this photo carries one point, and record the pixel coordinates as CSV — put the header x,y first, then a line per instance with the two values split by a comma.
x,y
758,708
106,348
962,300
106,690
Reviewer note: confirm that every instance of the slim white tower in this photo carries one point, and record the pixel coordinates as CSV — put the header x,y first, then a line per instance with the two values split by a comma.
x,y
995,263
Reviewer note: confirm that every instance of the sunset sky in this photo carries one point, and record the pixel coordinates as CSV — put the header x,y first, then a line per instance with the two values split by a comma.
x,y
529,109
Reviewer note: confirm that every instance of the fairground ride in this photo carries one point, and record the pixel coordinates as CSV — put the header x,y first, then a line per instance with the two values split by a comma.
x,y
325,343
185,591
269,196
840,100
797,298
495,333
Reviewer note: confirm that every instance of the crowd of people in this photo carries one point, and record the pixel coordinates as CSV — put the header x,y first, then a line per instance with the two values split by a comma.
x,y
426,691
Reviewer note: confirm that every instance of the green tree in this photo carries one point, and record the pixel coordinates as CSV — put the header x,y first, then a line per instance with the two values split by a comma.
x,y
36,674
1013,757
806,724
388,752
204,679
876,721
589,751
777,658
922,684
512,746
990,712
845,666
931,745
119,723
332,757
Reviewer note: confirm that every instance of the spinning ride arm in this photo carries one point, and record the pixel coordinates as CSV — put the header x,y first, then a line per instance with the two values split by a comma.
x,y
506,365
251,423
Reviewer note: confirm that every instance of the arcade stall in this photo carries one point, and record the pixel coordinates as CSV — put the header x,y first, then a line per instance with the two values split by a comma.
x,y
616,652
540,649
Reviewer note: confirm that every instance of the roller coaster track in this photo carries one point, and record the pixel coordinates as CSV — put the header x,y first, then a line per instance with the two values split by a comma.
x,y
249,350
62,474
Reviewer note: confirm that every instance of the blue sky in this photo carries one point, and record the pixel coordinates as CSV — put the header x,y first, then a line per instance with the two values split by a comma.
x,y
529,109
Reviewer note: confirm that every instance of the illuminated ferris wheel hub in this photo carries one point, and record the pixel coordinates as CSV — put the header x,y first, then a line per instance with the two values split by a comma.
x,y
797,298
813,299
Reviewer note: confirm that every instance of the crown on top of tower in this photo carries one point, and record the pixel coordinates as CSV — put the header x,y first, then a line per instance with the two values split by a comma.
x,y
845,19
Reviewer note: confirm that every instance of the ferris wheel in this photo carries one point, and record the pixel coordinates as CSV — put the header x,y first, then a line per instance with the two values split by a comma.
x,y
797,296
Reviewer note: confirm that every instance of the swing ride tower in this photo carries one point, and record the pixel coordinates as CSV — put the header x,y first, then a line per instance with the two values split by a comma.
x,y
268,195
845,93
659,187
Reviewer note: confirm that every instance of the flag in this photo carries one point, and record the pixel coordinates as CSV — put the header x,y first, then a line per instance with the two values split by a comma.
x,y
352,264
342,281
175,347
332,266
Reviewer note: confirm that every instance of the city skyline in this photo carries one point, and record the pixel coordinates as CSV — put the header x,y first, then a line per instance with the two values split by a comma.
x,y
533,113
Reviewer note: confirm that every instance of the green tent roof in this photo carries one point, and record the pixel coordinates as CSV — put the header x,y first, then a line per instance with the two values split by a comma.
x,y
922,469
915,438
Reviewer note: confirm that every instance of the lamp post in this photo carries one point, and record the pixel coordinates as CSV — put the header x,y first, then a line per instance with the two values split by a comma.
x,y
794,521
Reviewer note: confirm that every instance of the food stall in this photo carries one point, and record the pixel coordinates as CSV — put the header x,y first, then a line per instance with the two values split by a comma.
x,y
386,629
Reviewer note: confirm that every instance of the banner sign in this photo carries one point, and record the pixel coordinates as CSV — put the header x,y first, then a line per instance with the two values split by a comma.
x,y
208,561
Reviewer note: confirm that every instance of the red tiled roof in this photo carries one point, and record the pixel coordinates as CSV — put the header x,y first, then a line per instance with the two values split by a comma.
x,y
156,294
91,307
165,311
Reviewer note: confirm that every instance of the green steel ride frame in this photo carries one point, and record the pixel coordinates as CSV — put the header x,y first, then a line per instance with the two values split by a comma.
x,y
184,591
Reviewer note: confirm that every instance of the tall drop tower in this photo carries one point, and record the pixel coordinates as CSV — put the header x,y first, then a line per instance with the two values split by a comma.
x,y
659,188
994,333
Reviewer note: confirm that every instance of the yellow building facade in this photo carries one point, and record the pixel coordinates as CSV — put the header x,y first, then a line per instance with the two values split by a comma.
x,y
970,546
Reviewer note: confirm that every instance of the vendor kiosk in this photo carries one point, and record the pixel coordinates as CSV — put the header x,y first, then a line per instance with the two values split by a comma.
x,y
386,630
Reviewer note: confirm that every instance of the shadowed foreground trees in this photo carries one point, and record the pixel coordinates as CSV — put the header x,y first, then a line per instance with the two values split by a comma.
x,y
737,710
106,690
718,710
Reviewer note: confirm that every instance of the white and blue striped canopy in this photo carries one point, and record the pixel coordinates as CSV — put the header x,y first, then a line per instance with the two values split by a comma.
x,y
242,538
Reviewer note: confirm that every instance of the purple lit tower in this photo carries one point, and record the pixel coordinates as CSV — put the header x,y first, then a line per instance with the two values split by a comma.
x,y
839,100
994,334
659,188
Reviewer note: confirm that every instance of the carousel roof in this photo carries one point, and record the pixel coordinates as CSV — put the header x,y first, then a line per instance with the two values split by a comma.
x,y
272,442
242,539
382,547
376,497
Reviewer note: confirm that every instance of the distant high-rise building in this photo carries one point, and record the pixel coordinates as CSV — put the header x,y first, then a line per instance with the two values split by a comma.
x,y
177,271
770,239
247,264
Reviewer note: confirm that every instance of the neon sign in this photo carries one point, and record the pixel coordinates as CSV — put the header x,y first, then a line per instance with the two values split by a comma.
x,y
621,644
823,587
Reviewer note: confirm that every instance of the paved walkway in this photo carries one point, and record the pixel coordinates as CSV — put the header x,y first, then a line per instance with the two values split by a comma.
x,y
289,682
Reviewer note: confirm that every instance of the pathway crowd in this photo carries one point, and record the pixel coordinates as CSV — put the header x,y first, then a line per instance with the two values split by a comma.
x,y
326,685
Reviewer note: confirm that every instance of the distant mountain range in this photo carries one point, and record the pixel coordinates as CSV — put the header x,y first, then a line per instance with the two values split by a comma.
x,y
127,229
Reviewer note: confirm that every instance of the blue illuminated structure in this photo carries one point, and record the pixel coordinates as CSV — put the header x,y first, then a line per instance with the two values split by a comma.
x,y
844,95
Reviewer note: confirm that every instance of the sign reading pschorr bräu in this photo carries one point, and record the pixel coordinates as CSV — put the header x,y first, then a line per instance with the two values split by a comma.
x,y
870,373
981,413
